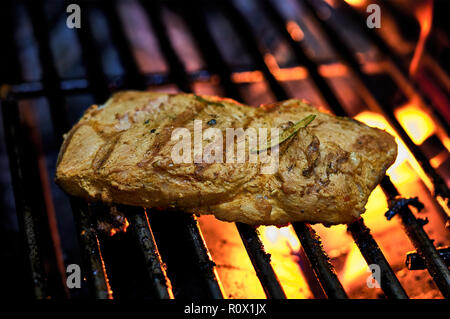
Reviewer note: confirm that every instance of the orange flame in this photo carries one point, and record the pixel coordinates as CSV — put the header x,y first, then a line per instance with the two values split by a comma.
x,y
400,171
356,3
123,229
424,14
355,266
282,244
417,123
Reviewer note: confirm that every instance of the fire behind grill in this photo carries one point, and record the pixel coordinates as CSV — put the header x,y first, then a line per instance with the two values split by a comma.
x,y
134,264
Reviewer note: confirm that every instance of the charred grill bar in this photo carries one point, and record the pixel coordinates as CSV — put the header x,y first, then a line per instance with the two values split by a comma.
x,y
27,224
177,72
38,234
309,239
134,79
373,255
204,261
261,261
98,83
86,227
414,229
146,240
92,258
319,261
415,262
101,86
313,69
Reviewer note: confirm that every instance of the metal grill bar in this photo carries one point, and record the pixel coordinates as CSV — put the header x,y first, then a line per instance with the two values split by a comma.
x,y
373,255
92,254
326,273
261,262
35,89
252,46
155,267
97,80
320,261
313,68
133,78
367,245
319,254
310,241
415,262
10,64
346,54
139,222
30,248
40,240
90,250
435,264
50,77
252,243
259,258
205,262
177,72
195,18
11,72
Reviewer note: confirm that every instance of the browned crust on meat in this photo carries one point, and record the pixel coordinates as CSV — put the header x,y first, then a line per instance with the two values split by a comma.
x,y
120,153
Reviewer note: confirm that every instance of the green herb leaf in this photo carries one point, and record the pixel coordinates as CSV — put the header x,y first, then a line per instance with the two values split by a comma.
x,y
200,99
287,133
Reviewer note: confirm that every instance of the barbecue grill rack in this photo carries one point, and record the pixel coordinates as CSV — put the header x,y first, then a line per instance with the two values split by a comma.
x,y
41,247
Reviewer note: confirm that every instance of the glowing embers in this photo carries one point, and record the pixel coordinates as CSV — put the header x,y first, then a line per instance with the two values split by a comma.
x,y
123,229
112,222
284,74
281,74
247,77
288,74
295,31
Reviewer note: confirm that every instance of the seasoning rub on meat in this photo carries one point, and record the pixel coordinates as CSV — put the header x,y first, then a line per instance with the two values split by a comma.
x,y
120,152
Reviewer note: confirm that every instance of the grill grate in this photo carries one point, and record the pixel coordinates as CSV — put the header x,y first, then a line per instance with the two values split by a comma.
x,y
100,86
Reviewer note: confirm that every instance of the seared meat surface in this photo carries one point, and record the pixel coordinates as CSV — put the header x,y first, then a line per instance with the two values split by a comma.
x,y
120,152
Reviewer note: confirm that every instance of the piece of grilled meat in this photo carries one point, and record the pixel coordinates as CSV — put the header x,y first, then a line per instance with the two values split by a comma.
x,y
120,152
